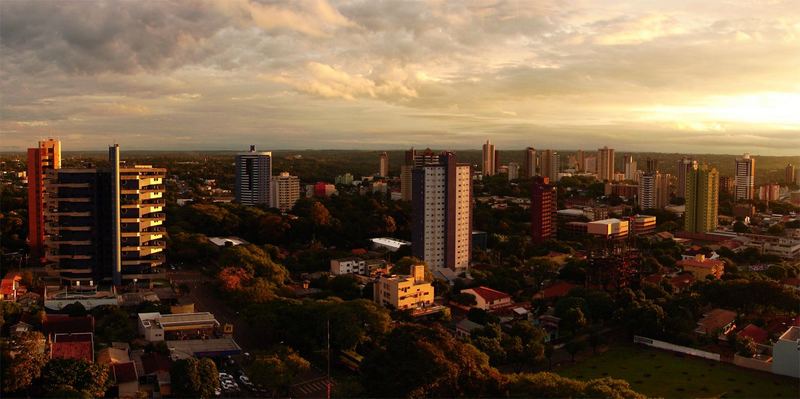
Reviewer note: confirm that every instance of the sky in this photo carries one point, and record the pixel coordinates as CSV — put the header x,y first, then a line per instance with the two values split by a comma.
x,y
714,76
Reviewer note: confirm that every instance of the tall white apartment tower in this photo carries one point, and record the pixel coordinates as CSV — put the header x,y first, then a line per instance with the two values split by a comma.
x,y
489,162
745,175
253,175
285,191
442,209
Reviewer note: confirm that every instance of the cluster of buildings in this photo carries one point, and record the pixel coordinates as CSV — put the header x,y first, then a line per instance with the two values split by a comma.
x,y
255,183
93,223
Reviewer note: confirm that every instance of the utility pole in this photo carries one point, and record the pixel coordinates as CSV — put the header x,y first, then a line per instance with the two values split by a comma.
x,y
328,379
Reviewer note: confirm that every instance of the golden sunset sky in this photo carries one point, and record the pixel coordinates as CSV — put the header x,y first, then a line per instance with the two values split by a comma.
x,y
712,76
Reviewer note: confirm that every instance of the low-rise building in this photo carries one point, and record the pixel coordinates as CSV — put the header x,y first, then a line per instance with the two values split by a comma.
x,y
608,228
73,346
488,299
160,327
702,267
404,292
355,265
717,322
465,327
785,353
643,224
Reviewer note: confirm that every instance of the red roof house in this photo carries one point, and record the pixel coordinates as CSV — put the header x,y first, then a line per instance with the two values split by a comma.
x,y
487,298
557,290
758,334
73,346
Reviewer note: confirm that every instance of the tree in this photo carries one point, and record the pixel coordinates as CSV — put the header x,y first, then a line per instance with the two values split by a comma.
x,y
75,309
255,261
574,346
418,361
25,364
463,298
595,340
194,378
345,286
551,385
320,214
740,227
573,320
549,351
746,346
113,324
77,374
277,370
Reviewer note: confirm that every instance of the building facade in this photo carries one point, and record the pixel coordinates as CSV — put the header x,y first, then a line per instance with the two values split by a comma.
x,y
413,159
105,223
550,164
253,174
489,165
605,164
529,167
442,209
383,164
702,199
404,292
285,191
684,168
42,159
745,174
629,167
513,171
543,210
789,175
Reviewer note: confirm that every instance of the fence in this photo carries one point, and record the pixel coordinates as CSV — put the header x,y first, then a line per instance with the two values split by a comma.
x,y
675,348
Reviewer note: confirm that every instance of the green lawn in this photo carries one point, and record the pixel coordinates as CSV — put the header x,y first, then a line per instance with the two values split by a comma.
x,y
658,373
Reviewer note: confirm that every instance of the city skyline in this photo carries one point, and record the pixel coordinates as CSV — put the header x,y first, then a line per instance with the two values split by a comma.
x,y
718,77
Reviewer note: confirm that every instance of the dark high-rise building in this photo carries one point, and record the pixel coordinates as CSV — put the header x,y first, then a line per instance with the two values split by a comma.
x,y
79,236
685,167
414,159
105,223
790,175
745,174
442,209
529,167
42,159
651,165
543,209
253,175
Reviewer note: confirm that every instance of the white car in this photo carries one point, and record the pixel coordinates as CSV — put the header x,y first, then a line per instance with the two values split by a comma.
x,y
246,381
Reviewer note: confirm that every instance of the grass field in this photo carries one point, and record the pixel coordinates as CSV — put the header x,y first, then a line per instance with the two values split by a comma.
x,y
658,373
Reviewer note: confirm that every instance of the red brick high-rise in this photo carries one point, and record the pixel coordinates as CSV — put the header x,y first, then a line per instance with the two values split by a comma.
x,y
45,157
543,209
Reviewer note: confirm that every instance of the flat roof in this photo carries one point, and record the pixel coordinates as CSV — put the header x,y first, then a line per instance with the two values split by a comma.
x,y
205,347
606,221
222,241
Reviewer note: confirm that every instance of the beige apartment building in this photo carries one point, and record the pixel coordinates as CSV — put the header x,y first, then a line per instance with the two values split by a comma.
x,y
405,292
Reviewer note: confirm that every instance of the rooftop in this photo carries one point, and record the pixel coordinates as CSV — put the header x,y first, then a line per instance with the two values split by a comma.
x,y
225,241
488,294
73,346
716,319
792,334
204,347
125,372
758,334
65,324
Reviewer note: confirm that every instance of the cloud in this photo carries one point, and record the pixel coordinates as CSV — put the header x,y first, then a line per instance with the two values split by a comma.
x,y
544,73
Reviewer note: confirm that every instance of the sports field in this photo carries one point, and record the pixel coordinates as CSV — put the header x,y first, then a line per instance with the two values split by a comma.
x,y
658,373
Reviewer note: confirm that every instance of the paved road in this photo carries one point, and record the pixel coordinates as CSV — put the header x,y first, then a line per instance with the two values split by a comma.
x,y
202,293
205,298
